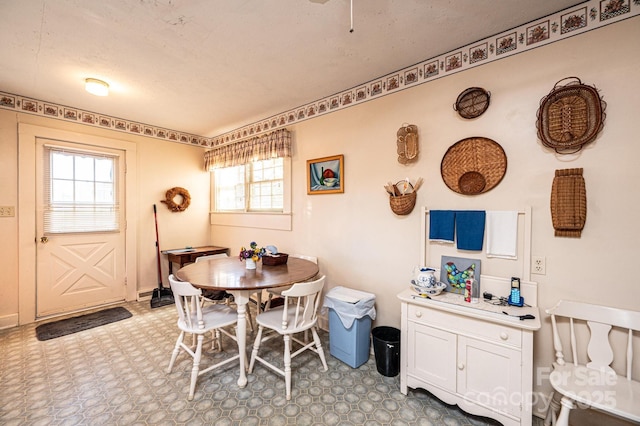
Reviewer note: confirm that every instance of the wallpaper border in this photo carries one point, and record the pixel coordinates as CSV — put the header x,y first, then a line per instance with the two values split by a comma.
x,y
569,22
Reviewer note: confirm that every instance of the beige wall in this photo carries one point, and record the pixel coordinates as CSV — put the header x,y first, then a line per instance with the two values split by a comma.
x,y
362,244
359,241
160,165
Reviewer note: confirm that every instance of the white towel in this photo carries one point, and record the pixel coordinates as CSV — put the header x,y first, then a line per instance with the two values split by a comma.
x,y
502,234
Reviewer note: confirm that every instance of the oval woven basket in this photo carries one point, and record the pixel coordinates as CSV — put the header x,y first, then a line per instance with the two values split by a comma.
x,y
474,165
472,102
403,204
570,116
407,143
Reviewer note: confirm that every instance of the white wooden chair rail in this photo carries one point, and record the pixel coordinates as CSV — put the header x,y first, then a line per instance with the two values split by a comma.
x,y
593,384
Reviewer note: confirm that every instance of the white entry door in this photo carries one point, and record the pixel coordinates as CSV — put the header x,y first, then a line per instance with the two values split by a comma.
x,y
80,226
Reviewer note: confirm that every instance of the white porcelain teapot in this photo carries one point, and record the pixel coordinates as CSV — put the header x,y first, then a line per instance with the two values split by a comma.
x,y
424,277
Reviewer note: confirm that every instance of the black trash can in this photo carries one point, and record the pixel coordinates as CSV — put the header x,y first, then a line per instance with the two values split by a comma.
x,y
386,347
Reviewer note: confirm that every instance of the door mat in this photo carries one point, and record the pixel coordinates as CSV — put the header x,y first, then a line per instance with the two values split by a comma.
x,y
80,323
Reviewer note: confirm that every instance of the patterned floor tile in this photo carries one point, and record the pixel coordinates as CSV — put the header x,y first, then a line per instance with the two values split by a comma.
x,y
116,375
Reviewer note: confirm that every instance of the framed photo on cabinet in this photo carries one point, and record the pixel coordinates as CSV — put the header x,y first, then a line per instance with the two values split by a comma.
x,y
325,175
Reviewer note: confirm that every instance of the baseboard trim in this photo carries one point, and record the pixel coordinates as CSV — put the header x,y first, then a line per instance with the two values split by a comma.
x,y
9,321
144,295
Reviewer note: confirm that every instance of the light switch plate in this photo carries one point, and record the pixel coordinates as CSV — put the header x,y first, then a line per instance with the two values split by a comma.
x,y
7,211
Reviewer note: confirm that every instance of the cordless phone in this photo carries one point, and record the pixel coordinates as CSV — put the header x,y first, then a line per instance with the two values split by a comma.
x,y
514,298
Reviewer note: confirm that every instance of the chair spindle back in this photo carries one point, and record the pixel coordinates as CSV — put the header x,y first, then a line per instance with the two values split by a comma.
x,y
600,320
308,296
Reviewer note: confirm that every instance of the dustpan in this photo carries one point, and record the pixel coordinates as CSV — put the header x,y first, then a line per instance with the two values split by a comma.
x,y
161,297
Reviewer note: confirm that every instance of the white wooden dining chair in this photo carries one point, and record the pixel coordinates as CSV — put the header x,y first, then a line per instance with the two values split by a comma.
x,y
277,291
198,320
593,382
288,319
221,296
211,256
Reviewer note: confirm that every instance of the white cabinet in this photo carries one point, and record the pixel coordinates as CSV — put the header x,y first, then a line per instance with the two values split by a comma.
x,y
479,359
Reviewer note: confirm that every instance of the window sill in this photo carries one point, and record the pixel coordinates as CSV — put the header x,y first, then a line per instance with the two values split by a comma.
x,y
275,221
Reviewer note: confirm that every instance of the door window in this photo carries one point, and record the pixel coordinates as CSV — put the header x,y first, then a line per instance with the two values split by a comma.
x,y
80,192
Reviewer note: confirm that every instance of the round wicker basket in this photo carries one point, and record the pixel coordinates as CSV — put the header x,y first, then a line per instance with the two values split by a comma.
x,y
473,165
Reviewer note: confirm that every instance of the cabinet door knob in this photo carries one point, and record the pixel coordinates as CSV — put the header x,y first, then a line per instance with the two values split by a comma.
x,y
461,366
504,336
418,314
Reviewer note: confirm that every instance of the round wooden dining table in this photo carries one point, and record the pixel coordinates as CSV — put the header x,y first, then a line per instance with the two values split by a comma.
x,y
230,274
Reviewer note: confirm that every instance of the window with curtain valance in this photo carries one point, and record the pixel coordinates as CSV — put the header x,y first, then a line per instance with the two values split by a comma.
x,y
273,145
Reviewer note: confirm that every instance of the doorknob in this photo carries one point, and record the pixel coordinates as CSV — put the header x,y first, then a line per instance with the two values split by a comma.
x,y
44,240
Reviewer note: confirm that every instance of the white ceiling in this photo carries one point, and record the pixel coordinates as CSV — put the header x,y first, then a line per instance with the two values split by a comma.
x,y
210,66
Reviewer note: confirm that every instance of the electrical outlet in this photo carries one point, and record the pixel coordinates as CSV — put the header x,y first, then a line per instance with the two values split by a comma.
x,y
7,211
538,265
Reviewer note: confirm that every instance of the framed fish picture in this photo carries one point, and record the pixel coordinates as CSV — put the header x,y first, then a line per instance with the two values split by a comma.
x,y
455,270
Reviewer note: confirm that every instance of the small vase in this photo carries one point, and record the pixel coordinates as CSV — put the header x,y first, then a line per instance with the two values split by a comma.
x,y
251,264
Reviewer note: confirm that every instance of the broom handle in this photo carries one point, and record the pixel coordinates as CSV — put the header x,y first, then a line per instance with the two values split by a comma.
x,y
155,217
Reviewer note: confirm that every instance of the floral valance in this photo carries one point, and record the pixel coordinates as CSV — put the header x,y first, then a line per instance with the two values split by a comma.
x,y
274,145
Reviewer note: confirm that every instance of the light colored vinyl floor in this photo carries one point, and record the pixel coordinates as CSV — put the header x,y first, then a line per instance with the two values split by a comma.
x,y
116,375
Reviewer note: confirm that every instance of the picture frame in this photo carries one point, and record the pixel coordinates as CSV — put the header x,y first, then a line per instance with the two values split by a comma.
x,y
454,279
325,175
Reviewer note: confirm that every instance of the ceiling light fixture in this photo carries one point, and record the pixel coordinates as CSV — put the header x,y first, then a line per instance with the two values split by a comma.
x,y
96,87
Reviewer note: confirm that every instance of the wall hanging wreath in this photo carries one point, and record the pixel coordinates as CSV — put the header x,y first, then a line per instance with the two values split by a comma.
x,y
170,199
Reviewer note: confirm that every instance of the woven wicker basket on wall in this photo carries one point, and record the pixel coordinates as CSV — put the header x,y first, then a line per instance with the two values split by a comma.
x,y
474,165
568,203
570,116
403,204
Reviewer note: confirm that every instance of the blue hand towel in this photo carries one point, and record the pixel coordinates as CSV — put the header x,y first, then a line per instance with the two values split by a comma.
x,y
470,229
442,225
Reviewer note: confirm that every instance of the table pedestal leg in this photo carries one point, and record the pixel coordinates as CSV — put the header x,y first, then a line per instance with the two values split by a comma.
x,y
241,298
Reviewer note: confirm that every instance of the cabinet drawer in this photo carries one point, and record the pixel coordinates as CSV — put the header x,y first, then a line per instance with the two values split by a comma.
x,y
465,326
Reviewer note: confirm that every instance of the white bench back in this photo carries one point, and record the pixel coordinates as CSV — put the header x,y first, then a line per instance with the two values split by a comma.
x,y
600,320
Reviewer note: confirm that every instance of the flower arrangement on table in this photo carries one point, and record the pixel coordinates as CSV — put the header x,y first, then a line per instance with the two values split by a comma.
x,y
253,252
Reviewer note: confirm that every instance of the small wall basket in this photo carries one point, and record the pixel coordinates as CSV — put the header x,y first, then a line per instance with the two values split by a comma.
x,y
472,102
403,204
402,196
407,143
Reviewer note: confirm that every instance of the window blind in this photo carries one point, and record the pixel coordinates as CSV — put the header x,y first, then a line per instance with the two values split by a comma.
x,y
80,191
